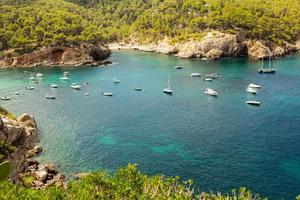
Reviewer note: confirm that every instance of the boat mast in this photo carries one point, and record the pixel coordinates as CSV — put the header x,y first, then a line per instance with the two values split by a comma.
x,y
169,82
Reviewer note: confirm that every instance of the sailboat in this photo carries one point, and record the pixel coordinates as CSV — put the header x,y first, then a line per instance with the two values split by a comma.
x,y
168,89
268,70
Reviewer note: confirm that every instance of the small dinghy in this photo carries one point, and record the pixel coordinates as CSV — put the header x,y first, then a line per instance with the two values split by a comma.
x,y
211,92
109,94
66,73
178,67
75,86
253,103
208,79
85,83
64,78
252,85
39,75
32,78
86,94
53,86
16,93
138,89
115,81
195,74
5,98
29,88
251,90
50,97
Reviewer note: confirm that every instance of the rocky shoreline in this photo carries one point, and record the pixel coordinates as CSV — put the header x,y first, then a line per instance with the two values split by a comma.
x,y
85,54
22,134
214,45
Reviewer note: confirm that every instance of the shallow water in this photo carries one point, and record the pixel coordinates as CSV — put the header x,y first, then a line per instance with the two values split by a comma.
x,y
221,143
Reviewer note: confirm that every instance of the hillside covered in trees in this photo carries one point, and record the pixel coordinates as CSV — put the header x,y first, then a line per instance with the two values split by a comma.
x,y
27,24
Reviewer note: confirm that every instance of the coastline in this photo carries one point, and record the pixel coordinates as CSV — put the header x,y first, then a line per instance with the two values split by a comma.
x,y
215,45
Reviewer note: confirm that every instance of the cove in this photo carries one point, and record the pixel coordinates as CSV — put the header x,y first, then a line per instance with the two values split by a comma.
x,y
221,143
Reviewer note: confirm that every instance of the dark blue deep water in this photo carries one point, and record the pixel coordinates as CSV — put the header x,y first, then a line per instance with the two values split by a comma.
x,y
221,143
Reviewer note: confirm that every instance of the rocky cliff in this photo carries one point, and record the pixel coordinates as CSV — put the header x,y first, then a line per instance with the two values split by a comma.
x,y
22,135
59,56
215,45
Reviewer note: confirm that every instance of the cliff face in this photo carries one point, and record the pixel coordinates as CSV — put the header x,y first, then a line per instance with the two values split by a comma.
x,y
215,45
60,56
22,135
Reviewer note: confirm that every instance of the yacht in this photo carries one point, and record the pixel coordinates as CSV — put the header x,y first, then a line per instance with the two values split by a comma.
x,y
195,75
212,75
50,97
29,88
251,90
252,85
75,86
109,94
211,92
178,67
268,70
39,75
137,89
64,78
5,98
253,102
168,89
116,80
53,86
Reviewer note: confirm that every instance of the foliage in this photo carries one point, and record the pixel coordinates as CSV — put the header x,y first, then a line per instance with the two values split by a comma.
x,y
5,150
24,24
6,113
126,183
5,169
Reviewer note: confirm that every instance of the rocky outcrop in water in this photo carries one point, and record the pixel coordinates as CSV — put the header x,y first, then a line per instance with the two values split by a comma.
x,y
60,56
22,135
215,45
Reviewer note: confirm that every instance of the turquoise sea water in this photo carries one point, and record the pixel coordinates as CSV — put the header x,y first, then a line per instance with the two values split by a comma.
x,y
221,143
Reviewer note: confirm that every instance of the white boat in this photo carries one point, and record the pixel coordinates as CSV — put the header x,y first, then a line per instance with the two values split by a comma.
x,y
50,97
75,86
138,89
168,89
212,75
53,86
107,94
66,73
39,75
268,70
211,92
252,85
86,94
252,102
251,90
64,78
195,74
32,78
178,67
29,88
16,93
208,79
116,80
5,98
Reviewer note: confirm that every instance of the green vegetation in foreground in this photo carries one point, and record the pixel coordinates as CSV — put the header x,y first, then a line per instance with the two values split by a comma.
x,y
27,24
126,183
5,170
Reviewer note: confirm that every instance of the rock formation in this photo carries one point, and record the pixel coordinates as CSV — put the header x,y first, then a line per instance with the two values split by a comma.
x,y
22,135
215,45
60,56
